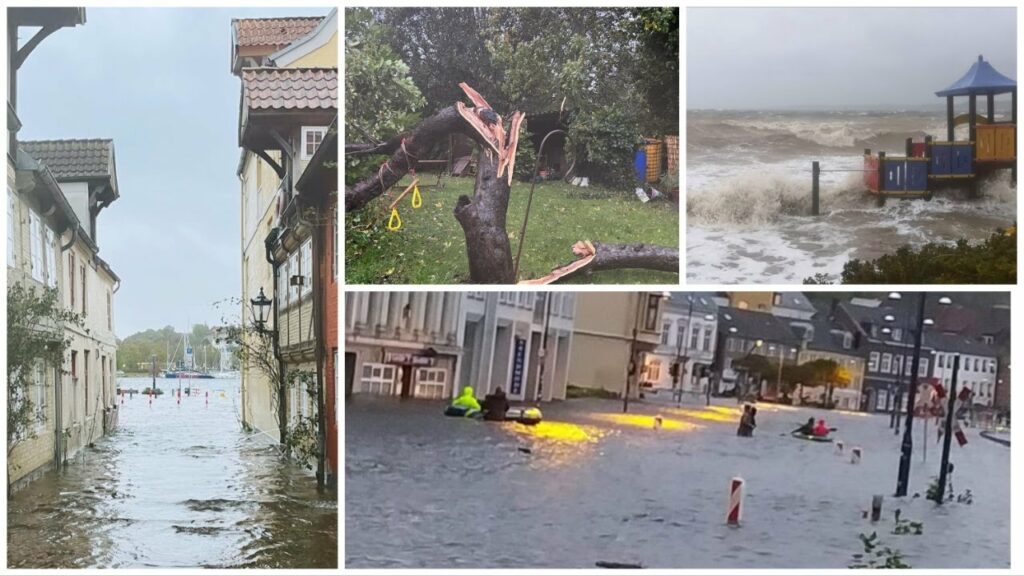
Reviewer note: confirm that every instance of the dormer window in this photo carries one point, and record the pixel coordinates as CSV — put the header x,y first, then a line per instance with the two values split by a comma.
x,y
312,136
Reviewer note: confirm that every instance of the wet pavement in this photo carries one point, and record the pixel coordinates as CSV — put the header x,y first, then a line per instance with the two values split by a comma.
x,y
592,485
176,486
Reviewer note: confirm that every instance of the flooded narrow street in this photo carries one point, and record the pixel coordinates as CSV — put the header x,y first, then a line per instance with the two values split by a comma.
x,y
177,485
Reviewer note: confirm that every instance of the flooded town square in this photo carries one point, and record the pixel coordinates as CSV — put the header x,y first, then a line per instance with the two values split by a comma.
x,y
591,484
176,486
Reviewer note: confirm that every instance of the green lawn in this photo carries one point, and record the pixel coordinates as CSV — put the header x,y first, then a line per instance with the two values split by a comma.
x,y
430,247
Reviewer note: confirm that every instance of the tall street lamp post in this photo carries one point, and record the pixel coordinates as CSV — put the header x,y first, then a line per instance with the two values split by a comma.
x,y
946,439
903,476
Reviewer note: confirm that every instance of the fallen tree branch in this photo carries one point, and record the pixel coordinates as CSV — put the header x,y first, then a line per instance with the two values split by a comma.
x,y
417,143
594,256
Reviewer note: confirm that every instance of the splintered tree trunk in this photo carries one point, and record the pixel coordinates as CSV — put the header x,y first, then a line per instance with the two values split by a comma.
x,y
483,222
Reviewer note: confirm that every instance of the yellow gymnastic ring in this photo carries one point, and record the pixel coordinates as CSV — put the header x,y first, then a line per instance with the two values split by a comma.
x,y
417,200
395,222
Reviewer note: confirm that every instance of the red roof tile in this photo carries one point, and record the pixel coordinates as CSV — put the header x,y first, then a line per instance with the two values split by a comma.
x,y
272,31
290,88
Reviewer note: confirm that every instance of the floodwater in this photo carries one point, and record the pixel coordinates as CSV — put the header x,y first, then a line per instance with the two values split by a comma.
x,y
176,486
593,485
748,184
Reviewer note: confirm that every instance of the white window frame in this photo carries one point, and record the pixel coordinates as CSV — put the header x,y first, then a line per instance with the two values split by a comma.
x,y
377,382
12,226
886,364
35,245
430,383
882,399
39,396
304,152
49,256
306,267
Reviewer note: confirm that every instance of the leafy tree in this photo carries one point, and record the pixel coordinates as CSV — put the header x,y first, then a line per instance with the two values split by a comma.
x,y
36,340
381,99
443,46
659,78
993,261
615,68
136,352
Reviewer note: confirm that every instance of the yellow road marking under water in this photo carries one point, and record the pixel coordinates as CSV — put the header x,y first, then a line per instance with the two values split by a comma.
x,y
558,431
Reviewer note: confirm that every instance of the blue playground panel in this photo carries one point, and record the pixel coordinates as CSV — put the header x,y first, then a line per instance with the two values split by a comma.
x,y
963,159
904,175
955,159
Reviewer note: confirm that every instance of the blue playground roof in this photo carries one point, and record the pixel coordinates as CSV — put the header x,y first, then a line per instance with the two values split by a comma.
x,y
982,78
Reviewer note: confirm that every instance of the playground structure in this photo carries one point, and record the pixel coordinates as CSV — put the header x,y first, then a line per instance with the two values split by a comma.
x,y
931,164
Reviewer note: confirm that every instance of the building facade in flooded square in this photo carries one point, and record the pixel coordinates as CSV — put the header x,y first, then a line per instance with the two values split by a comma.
x,y
432,344
688,336
615,336
288,172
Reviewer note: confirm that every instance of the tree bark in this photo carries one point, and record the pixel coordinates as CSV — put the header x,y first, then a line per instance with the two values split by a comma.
x,y
483,222
417,144
646,256
597,256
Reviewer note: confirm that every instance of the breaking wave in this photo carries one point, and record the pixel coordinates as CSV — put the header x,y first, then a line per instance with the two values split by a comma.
x,y
758,198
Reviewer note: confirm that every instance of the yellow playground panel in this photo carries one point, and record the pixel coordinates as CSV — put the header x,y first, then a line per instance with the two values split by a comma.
x,y
996,142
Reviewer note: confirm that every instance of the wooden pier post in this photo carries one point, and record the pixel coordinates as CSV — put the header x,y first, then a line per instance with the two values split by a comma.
x,y
815,189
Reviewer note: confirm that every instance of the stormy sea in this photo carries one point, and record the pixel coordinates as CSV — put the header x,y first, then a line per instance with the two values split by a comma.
x,y
748,184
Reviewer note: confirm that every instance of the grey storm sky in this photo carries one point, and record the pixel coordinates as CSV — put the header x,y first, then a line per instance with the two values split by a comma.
x,y
157,81
770,58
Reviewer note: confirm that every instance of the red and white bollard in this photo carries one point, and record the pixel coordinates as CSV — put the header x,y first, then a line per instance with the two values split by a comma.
x,y
855,455
735,514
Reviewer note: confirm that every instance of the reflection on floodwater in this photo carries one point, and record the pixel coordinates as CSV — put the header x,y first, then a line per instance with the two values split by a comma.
x,y
176,486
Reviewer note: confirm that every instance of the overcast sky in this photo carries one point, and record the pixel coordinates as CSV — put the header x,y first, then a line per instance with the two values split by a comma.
x,y
770,58
157,81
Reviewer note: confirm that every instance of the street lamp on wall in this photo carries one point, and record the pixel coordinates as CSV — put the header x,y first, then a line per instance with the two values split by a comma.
x,y
261,306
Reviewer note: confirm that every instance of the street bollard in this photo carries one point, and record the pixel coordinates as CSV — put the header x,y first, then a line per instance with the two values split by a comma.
x,y
839,446
735,513
657,422
207,397
876,507
855,455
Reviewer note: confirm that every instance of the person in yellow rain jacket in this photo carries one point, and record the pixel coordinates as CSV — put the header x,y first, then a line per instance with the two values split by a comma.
x,y
467,401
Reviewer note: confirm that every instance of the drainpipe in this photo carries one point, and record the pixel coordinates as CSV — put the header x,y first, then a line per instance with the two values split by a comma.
x,y
59,447
282,398
319,335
